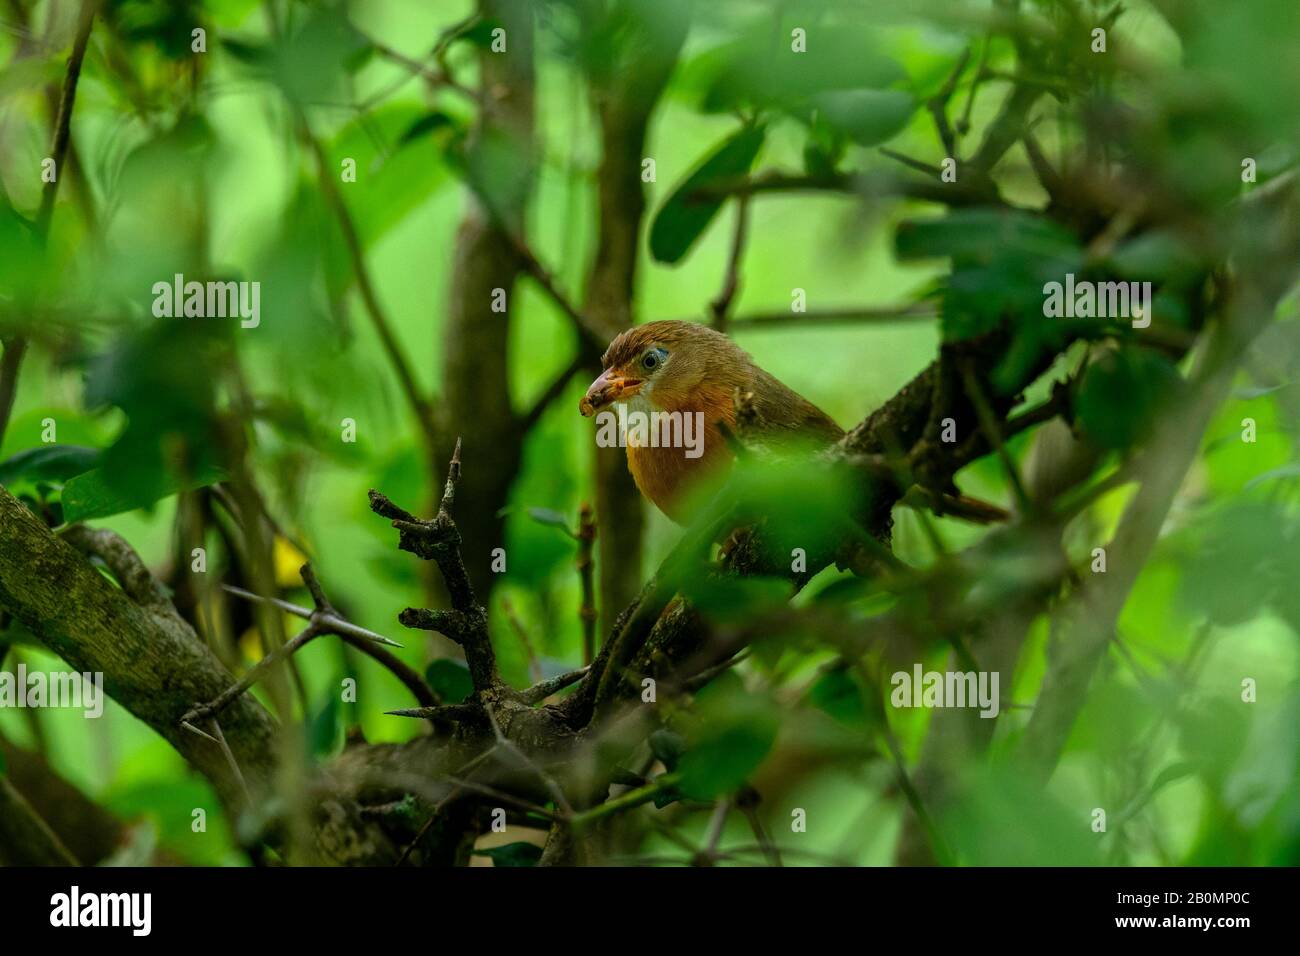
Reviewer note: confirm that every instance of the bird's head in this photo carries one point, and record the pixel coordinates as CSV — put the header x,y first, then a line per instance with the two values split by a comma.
x,y
664,363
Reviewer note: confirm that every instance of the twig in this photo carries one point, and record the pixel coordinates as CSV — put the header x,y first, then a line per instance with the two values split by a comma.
x,y
25,837
912,795
16,348
503,797
911,163
552,392
626,801
760,834
867,315
720,308
323,620
586,566
938,105
708,855
330,622
703,677
534,665
989,425
420,406
438,540
230,758
440,77
594,332
10,365
256,673
963,124
552,685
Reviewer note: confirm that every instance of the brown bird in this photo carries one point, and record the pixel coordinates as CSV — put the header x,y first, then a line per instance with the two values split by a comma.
x,y
688,368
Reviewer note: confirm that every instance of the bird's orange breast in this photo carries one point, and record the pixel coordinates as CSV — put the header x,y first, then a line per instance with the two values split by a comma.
x,y
669,478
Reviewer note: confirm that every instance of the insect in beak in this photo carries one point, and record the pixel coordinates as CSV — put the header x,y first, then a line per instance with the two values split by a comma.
x,y
609,387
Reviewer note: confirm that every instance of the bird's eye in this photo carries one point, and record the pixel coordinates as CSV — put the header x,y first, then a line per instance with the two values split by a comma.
x,y
653,359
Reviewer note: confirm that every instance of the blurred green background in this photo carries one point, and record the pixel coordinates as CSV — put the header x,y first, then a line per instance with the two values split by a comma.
x,y
181,169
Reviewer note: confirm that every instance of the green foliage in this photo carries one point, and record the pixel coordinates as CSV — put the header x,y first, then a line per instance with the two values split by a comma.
x,y
688,211
95,495
1254,540
762,70
48,463
449,679
1001,260
165,446
325,728
1122,394
199,165
728,734
867,117
512,854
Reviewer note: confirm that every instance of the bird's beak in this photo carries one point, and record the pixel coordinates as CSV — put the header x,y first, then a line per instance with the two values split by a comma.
x,y
609,387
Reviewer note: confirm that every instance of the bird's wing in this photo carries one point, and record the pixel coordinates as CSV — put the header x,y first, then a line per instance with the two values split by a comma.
x,y
782,410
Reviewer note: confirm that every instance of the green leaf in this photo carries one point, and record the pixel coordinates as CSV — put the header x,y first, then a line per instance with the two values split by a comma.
x,y
21,262
755,71
424,125
667,747
160,378
728,735
666,796
730,598
840,696
980,234
867,117
1121,393
1234,559
92,495
548,517
391,182
55,463
28,73
1001,260
513,854
323,730
248,53
450,679
685,214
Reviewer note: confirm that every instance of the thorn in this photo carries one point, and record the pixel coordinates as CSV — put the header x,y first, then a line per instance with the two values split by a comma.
x,y
423,713
194,730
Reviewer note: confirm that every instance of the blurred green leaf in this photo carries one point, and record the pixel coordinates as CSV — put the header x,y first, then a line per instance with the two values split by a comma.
x,y
425,125
729,733
163,24
685,215
667,747
449,679
1234,559
762,70
28,73
867,117
325,727
1121,394
512,854
162,379
55,463
550,518
838,693
92,495
1001,259
1002,819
